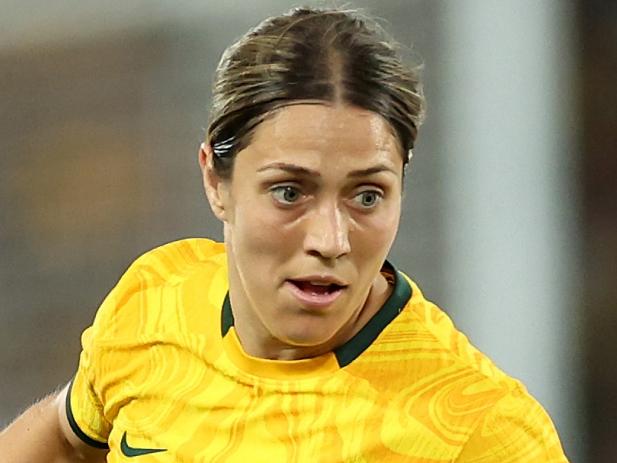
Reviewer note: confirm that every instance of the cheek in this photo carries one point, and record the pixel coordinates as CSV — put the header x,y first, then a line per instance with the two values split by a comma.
x,y
378,231
390,227
258,231
372,247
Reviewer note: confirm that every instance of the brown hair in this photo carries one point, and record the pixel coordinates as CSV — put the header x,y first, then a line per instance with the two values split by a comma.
x,y
331,55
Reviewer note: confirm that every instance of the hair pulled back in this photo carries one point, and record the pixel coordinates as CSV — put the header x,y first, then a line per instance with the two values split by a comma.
x,y
332,55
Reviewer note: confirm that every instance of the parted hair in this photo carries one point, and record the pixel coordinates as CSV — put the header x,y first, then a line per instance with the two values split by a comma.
x,y
332,55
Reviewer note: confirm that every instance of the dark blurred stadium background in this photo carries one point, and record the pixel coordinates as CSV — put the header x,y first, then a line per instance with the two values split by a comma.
x,y
510,222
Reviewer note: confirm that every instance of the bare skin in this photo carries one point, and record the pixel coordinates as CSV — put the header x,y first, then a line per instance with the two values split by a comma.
x,y
43,434
322,186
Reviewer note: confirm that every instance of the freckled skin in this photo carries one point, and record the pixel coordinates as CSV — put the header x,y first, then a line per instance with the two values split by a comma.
x,y
325,230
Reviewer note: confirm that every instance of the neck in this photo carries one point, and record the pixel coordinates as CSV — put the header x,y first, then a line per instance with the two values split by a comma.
x,y
256,341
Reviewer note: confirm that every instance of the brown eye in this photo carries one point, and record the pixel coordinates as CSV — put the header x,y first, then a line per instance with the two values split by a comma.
x,y
286,194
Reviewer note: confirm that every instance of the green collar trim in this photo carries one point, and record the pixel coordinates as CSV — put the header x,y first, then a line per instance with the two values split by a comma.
x,y
352,349
401,293
227,316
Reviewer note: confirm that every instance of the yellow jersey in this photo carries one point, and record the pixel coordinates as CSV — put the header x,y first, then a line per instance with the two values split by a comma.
x,y
163,378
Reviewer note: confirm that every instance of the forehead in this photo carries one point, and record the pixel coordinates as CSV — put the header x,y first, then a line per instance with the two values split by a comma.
x,y
325,129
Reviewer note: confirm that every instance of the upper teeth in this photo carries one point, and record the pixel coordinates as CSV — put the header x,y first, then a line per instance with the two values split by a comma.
x,y
320,283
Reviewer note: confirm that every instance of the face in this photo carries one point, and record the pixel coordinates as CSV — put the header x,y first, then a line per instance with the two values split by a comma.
x,y
309,217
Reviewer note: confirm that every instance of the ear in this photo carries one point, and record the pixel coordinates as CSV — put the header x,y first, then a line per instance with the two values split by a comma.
x,y
216,188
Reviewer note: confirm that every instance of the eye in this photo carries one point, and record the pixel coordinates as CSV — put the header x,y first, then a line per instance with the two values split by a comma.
x,y
286,194
368,199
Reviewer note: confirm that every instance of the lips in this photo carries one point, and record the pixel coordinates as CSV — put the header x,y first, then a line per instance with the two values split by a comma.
x,y
315,293
316,287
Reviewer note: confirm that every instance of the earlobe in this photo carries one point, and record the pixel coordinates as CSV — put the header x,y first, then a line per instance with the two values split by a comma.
x,y
213,184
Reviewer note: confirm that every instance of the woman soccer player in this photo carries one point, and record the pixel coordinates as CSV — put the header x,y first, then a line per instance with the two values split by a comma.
x,y
295,340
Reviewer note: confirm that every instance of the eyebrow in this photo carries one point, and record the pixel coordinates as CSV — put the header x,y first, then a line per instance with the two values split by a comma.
x,y
299,170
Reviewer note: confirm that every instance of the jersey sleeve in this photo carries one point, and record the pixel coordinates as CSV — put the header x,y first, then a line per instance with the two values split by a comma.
x,y
88,400
109,363
517,429
84,408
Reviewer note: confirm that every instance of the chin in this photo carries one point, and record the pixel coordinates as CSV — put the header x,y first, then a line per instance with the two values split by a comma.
x,y
303,337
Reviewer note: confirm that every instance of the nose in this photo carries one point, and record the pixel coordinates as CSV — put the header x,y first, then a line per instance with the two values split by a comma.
x,y
327,232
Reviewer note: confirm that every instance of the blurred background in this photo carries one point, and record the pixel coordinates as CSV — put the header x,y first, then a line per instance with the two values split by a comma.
x,y
510,220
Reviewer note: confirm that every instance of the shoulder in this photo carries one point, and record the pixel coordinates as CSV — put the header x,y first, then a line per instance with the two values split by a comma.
x,y
440,334
175,259
516,428
171,264
509,420
159,287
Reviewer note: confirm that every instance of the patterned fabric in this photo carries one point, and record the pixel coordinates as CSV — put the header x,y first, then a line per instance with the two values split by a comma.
x,y
163,377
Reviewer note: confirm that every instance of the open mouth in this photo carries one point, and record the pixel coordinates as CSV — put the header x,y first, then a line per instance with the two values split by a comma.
x,y
313,294
316,288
